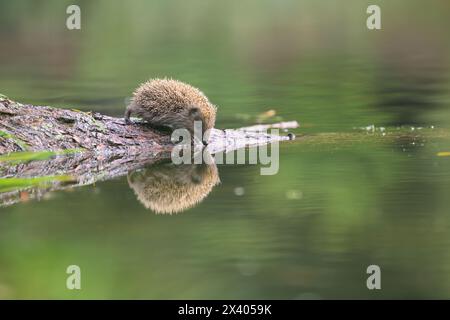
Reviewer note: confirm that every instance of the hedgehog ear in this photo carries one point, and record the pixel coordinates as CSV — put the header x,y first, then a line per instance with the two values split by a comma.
x,y
195,114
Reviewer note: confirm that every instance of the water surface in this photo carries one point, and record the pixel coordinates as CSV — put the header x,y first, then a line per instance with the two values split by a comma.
x,y
345,197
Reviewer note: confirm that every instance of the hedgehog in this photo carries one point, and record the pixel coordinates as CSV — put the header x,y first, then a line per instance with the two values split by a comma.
x,y
167,188
173,104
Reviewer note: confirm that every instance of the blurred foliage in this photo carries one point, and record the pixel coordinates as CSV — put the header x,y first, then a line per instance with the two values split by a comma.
x,y
26,156
9,184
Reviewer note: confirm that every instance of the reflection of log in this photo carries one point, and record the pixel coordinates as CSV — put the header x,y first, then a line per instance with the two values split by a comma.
x,y
81,169
110,148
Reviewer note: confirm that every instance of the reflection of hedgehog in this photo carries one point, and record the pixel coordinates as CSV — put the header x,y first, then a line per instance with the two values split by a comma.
x,y
169,188
171,103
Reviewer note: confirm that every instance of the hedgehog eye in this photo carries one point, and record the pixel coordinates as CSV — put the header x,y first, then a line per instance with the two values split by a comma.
x,y
196,179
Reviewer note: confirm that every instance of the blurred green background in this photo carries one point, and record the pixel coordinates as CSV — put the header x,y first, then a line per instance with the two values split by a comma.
x,y
337,205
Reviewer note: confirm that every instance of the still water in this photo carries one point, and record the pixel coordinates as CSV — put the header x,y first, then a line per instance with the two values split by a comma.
x,y
347,194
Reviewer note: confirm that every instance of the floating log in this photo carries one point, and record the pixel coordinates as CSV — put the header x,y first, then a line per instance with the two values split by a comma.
x,y
44,149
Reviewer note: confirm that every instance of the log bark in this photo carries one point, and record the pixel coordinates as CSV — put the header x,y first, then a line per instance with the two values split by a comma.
x,y
37,128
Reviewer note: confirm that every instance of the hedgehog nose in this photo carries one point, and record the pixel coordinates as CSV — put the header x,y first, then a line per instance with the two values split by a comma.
x,y
195,114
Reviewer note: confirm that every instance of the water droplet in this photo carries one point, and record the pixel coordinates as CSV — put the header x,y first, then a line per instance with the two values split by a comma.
x,y
294,194
239,191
